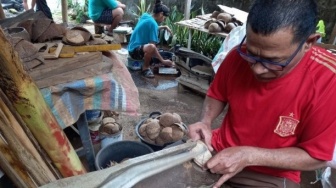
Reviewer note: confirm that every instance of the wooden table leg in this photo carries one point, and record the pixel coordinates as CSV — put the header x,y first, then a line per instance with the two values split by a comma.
x,y
84,133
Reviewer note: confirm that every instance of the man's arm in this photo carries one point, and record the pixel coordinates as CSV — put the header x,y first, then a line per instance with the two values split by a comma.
x,y
202,130
166,28
232,160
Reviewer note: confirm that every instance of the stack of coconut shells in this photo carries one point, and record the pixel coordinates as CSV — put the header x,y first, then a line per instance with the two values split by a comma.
x,y
164,129
109,125
221,22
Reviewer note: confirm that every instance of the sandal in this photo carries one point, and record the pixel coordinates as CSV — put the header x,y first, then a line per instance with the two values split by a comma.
x,y
147,73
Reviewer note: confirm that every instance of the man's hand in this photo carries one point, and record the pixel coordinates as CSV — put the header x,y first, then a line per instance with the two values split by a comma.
x,y
201,131
121,5
228,162
168,62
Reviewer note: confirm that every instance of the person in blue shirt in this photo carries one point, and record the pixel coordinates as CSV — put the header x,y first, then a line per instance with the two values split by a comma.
x,y
109,12
142,45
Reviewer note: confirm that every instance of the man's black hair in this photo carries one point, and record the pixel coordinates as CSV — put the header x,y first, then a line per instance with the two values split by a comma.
x,y
268,16
160,7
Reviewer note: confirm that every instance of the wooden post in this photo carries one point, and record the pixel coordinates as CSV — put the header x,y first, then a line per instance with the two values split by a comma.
x,y
186,17
27,100
2,14
65,11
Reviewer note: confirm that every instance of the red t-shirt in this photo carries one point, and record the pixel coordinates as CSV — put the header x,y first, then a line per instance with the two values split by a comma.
x,y
297,110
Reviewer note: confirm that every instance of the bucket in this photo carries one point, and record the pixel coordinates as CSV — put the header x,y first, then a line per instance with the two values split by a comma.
x,y
93,115
120,151
107,139
94,132
134,64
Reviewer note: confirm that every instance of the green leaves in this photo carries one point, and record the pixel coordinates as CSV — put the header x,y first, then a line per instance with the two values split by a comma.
x,y
141,9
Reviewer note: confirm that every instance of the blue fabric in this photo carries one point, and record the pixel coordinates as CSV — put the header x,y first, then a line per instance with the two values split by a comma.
x,y
96,7
146,31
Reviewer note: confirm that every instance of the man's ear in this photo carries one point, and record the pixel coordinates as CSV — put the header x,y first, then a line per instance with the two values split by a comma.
x,y
311,40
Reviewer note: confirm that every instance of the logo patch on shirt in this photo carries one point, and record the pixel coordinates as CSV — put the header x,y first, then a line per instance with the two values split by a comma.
x,y
286,126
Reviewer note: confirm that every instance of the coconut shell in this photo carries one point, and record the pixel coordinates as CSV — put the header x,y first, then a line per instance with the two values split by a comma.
x,y
229,27
111,128
108,120
151,120
166,134
177,133
52,32
214,27
153,130
226,17
39,27
159,141
207,23
167,119
214,14
142,130
28,25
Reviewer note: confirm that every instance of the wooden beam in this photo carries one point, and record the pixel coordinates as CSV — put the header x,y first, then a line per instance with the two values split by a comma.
x,y
89,48
29,14
332,39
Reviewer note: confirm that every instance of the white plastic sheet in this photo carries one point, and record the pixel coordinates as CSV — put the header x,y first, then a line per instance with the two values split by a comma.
x,y
233,39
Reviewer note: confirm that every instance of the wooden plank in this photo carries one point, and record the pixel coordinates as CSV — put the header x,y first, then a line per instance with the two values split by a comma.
x,y
206,70
55,54
81,73
29,14
196,23
90,48
199,85
59,66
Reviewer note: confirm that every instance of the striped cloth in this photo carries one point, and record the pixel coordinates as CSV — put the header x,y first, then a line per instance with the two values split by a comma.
x,y
113,91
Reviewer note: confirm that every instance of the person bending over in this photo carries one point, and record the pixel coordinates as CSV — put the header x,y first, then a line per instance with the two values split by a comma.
x,y
109,12
142,45
41,5
281,92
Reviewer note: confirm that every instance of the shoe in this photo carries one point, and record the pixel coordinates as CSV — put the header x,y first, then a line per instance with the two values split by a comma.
x,y
147,73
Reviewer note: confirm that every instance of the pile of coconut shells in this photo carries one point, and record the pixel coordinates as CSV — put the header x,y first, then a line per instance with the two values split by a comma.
x,y
221,22
164,129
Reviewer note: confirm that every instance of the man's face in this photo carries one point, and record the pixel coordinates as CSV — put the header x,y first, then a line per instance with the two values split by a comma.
x,y
277,47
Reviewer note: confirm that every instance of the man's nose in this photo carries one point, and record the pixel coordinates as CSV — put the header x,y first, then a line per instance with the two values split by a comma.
x,y
258,68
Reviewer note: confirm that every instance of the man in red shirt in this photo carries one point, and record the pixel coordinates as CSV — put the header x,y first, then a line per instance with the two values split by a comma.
x,y
281,92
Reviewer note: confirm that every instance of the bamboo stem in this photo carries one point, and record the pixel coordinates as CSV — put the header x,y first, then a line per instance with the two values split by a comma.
x,y
31,164
29,103
13,167
29,141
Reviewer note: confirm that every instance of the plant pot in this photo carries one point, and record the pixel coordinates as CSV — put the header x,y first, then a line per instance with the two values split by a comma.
x,y
119,151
